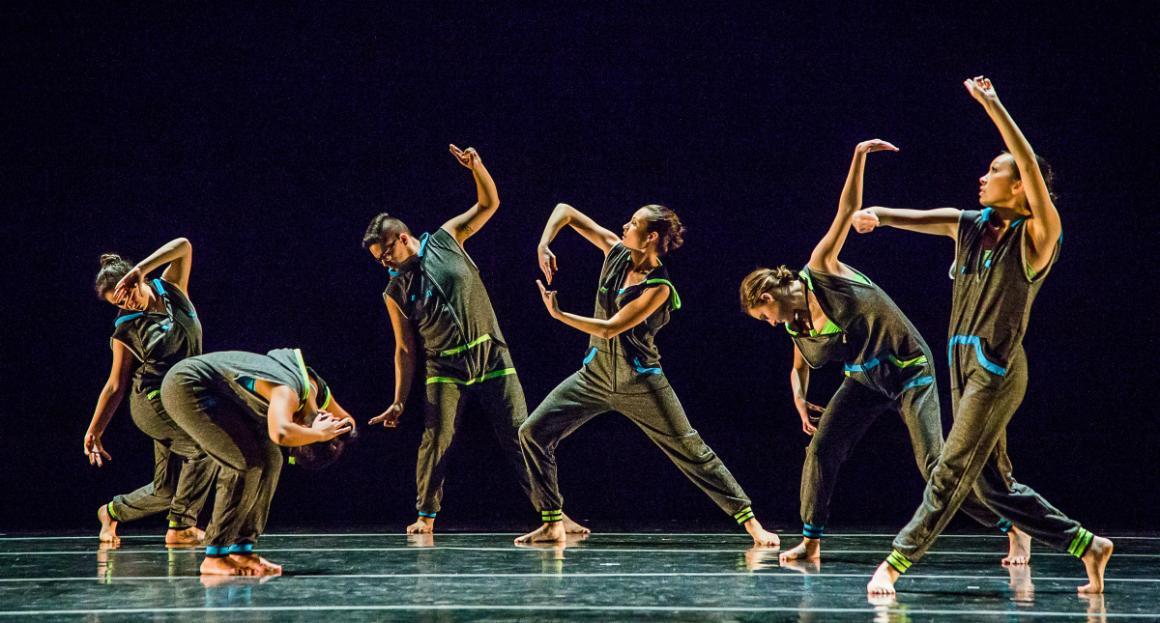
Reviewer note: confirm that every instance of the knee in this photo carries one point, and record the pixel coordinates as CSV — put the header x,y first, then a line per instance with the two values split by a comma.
x,y
532,432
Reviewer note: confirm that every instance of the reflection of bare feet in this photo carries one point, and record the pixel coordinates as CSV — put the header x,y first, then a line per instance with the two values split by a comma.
x,y
882,604
760,535
1094,562
804,567
552,532
108,526
883,581
422,525
1019,547
222,565
571,527
421,540
808,549
1021,584
186,536
760,557
254,561
1096,610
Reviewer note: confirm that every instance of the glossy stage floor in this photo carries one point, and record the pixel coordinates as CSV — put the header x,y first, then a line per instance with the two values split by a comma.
x,y
607,577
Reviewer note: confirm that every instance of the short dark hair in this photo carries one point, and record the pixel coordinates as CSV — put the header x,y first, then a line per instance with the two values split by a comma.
x,y
382,226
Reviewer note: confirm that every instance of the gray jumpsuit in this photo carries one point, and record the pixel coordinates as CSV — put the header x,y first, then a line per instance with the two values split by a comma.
x,y
442,294
623,374
211,397
993,293
888,367
182,472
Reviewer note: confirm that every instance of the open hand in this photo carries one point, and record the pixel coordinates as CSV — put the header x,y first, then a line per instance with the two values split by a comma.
x,y
981,89
549,297
127,284
873,145
390,417
804,409
95,451
865,221
467,157
547,261
331,426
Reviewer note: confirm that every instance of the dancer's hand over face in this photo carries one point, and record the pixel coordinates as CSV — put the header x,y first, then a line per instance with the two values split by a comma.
x,y
331,426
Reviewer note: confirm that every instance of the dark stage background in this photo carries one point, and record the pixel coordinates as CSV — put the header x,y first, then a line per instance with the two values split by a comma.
x,y
271,137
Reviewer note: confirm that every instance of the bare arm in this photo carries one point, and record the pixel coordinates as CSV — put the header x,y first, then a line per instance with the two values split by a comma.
x,y
799,382
107,402
825,255
936,222
1044,226
284,431
176,255
467,224
628,317
405,362
562,215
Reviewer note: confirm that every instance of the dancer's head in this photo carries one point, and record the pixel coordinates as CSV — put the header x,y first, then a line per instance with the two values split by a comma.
x,y
323,454
772,295
654,227
113,269
1003,186
389,241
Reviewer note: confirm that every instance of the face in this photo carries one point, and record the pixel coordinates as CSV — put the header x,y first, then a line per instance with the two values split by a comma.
x,y
636,235
138,298
771,311
999,186
393,252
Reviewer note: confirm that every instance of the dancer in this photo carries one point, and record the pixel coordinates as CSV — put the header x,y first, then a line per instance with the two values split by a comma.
x,y
621,371
835,313
240,407
436,292
1002,255
157,327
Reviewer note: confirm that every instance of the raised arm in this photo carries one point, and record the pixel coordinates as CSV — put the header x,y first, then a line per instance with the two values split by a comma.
x,y
177,257
1044,226
406,359
825,255
626,318
562,215
936,222
108,401
467,224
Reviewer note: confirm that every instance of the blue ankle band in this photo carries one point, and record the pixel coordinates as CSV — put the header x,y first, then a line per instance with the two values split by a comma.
x,y
241,548
216,551
424,514
810,531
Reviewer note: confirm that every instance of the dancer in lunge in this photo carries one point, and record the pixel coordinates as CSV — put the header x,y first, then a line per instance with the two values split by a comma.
x,y
1003,253
833,312
157,327
621,370
437,293
240,408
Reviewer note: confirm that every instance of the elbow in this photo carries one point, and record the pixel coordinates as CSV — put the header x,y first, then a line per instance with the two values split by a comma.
x,y
610,331
280,435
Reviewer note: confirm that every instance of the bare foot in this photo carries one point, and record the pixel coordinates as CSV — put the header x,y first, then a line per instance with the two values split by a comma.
x,y
1019,548
256,562
1094,562
760,535
807,550
1021,585
883,581
571,527
422,525
108,526
548,533
186,536
222,565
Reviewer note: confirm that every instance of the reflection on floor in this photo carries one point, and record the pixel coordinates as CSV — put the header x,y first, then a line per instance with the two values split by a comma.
x,y
606,577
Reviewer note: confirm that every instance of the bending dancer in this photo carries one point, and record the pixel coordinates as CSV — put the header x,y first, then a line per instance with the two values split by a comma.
x,y
1002,255
436,292
621,371
240,407
835,313
157,327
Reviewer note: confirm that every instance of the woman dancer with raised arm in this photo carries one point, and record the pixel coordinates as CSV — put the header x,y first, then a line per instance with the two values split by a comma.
x,y
621,371
1003,253
835,313
157,327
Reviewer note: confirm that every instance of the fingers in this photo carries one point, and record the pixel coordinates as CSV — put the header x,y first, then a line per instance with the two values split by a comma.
x,y
543,290
546,268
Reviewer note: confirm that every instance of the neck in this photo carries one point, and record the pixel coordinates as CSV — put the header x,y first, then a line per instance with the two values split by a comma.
x,y
644,261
